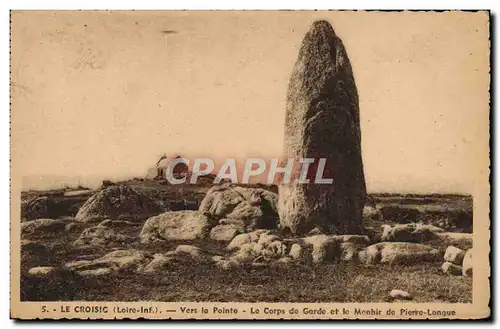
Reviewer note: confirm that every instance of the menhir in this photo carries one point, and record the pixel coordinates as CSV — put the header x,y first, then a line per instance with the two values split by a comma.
x,y
322,121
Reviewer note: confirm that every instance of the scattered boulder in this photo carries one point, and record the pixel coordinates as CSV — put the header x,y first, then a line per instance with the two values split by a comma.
x,y
324,247
266,238
361,240
400,294
175,225
450,268
407,233
454,255
100,236
322,121
245,238
349,251
191,251
224,233
114,261
43,226
275,249
159,262
467,263
41,271
112,201
296,252
97,272
253,207
398,253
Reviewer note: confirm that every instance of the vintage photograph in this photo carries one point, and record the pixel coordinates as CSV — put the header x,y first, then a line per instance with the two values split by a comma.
x,y
313,158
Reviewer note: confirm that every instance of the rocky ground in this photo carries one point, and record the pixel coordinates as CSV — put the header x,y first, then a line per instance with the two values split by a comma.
x,y
146,240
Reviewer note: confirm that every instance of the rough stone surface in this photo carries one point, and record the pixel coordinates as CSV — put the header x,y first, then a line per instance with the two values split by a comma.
x,y
245,238
41,271
175,225
252,207
361,240
398,253
97,272
450,268
407,233
400,294
224,233
454,255
467,263
296,252
349,251
324,247
191,251
159,262
113,201
322,121
111,262
43,226
99,236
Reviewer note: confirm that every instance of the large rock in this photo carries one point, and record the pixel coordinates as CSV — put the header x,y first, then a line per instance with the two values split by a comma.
x,y
454,255
398,253
100,236
43,226
250,208
113,201
175,225
322,121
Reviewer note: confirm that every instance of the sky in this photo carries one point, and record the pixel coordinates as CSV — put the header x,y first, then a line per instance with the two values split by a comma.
x,y
103,94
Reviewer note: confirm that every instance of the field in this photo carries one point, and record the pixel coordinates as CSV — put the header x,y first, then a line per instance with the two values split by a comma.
x,y
187,280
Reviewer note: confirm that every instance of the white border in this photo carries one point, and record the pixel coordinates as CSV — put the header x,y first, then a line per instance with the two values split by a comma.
x,y
185,4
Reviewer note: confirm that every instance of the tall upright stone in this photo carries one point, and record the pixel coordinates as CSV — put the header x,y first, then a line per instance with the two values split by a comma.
x,y
322,121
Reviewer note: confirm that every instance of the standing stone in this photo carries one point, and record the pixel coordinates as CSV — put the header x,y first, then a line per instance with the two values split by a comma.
x,y
322,121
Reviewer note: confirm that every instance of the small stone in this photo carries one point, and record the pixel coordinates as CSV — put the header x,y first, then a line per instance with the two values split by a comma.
x,y
266,239
285,260
158,263
193,251
467,263
400,294
451,268
454,255
224,233
96,272
41,271
296,251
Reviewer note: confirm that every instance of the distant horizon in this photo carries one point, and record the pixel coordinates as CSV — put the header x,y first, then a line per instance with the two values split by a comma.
x,y
55,182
